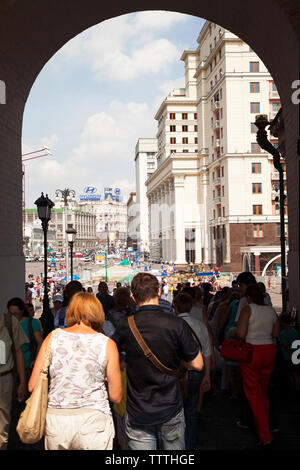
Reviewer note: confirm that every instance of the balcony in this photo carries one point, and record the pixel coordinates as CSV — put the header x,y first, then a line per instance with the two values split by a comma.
x,y
217,143
217,200
217,181
274,95
215,106
217,124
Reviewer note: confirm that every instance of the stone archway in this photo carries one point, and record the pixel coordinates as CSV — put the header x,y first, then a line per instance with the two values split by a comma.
x,y
32,31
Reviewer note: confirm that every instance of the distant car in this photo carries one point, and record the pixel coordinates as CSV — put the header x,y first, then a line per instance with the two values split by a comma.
x,y
78,255
29,258
86,259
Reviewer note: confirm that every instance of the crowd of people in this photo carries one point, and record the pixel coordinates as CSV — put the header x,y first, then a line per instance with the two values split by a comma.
x,y
132,369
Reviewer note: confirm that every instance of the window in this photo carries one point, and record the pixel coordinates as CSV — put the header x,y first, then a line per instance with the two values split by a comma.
x,y
256,188
219,212
257,209
221,113
172,128
222,191
184,116
214,214
214,231
223,211
254,107
274,87
221,88
195,115
276,107
254,87
218,232
253,128
151,165
250,49
185,151
172,116
254,66
222,169
185,140
258,230
255,148
256,167
221,132
173,151
172,140
196,128
184,128
196,140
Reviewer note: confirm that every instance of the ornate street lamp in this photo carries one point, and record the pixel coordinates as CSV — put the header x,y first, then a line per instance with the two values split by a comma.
x,y
261,123
44,206
65,195
71,235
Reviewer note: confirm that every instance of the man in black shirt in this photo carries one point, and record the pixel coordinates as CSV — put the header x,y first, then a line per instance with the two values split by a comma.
x,y
154,411
105,298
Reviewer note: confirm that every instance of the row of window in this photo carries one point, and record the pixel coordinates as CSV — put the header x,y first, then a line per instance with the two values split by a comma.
x,y
184,116
258,231
255,107
183,128
185,140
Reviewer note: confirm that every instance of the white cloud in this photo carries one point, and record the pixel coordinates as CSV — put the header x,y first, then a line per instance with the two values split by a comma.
x,y
125,48
104,156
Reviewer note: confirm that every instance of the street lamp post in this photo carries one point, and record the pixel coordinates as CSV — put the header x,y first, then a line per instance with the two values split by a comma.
x,y
261,123
65,194
71,235
44,206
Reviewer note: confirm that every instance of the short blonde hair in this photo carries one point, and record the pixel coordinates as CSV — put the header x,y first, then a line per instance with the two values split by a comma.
x,y
85,308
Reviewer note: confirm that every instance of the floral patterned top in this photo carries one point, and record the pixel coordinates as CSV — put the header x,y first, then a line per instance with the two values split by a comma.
x,y
78,371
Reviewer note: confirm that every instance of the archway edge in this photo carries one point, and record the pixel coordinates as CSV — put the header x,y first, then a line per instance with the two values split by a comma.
x,y
48,25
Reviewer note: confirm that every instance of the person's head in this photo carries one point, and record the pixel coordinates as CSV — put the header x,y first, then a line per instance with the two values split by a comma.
x,y
245,279
102,288
206,286
118,285
182,303
187,284
16,307
285,321
254,295
144,288
87,309
198,294
29,308
57,302
190,291
262,287
71,289
90,290
122,298
234,284
226,292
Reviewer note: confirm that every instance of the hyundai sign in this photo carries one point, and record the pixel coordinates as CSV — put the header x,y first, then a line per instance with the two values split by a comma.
x,y
90,194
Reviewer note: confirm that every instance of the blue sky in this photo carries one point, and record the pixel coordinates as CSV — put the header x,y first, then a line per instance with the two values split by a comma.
x,y
98,95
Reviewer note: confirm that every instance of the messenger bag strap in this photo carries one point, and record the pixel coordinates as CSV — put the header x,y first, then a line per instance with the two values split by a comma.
x,y
147,351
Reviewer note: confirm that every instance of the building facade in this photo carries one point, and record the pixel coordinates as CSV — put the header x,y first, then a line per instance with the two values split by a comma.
x,y
214,192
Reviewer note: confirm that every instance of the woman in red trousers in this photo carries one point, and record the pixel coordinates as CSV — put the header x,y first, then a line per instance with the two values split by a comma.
x,y
258,325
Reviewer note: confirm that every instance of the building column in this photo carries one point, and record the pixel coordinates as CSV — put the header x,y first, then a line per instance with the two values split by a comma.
x,y
198,245
171,250
257,263
179,220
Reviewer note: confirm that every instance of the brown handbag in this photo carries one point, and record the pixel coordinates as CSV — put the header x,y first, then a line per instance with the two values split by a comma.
x,y
180,373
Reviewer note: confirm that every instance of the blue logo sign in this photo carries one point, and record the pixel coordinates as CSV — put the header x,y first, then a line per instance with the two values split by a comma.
x,y
117,191
90,190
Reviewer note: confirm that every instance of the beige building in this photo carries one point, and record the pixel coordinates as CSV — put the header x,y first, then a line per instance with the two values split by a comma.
x,y
213,193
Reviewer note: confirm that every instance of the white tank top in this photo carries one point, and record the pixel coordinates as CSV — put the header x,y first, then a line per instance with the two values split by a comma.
x,y
261,324
78,371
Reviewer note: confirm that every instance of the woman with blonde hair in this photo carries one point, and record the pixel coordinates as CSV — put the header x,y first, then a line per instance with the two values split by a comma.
x,y
84,376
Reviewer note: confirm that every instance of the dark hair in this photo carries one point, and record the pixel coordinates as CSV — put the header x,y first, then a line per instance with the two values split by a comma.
x,y
122,298
144,286
183,303
246,278
17,302
206,286
255,294
71,289
190,291
285,318
262,287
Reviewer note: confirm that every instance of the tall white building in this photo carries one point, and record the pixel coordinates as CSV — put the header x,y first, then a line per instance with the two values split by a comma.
x,y
145,165
212,197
